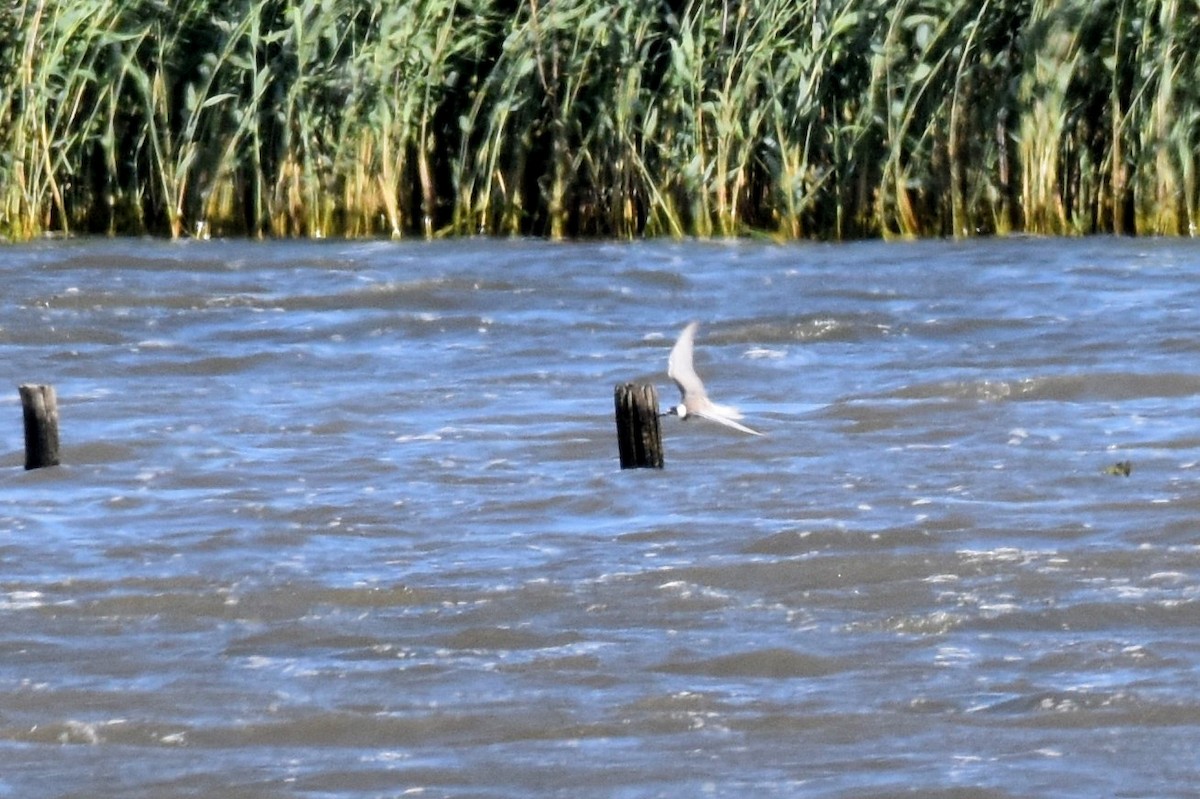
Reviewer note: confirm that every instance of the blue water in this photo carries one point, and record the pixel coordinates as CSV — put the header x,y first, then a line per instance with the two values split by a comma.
x,y
346,519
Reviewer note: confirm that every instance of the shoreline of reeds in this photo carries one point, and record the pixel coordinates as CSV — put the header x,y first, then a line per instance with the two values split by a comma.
x,y
588,118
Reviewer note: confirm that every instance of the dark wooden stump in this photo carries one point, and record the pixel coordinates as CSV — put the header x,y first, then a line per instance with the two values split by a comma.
x,y
41,426
639,438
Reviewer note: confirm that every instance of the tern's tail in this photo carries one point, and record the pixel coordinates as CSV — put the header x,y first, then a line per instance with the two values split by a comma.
x,y
727,411
728,422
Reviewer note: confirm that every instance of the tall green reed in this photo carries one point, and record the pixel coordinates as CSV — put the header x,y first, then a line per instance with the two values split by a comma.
x,y
55,109
577,117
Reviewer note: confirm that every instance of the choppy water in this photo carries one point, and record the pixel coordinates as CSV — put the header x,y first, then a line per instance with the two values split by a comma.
x,y
345,520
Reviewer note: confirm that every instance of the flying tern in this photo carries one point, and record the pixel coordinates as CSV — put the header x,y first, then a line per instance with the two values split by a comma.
x,y
694,399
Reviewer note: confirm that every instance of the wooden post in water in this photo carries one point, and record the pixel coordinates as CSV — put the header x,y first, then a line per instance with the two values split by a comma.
x,y
639,438
41,426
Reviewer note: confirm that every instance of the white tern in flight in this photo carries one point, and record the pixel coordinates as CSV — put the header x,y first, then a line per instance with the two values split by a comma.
x,y
694,399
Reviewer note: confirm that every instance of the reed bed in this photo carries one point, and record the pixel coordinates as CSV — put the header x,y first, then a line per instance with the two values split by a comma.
x,y
616,118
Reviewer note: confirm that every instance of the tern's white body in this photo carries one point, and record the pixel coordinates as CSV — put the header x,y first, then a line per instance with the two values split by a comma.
x,y
694,399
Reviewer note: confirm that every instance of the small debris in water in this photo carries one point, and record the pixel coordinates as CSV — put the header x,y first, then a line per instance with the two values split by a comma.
x,y
1121,468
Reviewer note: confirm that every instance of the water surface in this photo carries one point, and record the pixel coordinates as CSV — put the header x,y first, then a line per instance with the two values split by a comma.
x,y
345,520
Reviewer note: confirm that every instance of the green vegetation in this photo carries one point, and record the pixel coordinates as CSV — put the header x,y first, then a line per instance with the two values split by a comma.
x,y
1120,469
795,118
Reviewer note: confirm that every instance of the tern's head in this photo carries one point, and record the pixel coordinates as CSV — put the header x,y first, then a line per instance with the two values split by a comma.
x,y
679,410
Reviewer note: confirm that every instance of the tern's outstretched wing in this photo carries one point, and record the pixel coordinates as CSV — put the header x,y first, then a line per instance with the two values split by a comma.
x,y
679,364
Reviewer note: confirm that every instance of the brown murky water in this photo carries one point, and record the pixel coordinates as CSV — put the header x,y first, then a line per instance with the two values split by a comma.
x,y
345,520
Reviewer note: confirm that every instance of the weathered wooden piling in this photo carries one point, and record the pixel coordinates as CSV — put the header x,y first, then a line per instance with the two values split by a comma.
x,y
639,437
41,425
